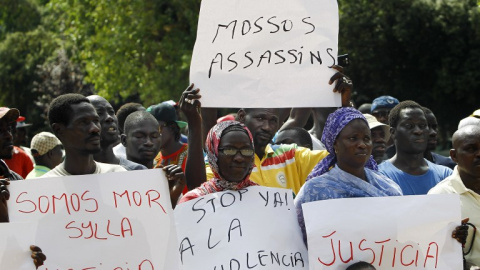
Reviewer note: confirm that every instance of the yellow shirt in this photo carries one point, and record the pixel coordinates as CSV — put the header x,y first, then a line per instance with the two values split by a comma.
x,y
283,166
470,205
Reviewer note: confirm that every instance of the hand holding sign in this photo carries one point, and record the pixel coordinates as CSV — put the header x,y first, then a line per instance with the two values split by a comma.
x,y
275,55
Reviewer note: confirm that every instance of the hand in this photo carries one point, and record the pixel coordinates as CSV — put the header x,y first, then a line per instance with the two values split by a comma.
x,y
190,102
176,182
343,85
37,256
461,232
4,196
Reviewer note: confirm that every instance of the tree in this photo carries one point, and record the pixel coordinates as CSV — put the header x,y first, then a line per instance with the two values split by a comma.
x,y
131,47
426,51
57,77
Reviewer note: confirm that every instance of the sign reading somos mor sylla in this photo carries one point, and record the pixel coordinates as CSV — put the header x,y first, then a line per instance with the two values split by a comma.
x,y
121,220
269,53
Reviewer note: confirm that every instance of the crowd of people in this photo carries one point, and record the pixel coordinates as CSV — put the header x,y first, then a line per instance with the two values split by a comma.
x,y
386,148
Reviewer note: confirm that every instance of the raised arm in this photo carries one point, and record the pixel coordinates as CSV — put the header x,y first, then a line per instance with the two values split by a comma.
x,y
195,169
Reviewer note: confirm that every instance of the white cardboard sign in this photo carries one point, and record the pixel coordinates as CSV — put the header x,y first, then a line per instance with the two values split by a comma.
x,y
103,221
15,241
252,228
404,232
269,53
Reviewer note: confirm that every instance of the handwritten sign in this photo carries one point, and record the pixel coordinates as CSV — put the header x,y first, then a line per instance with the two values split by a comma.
x,y
409,232
268,53
253,228
15,241
104,221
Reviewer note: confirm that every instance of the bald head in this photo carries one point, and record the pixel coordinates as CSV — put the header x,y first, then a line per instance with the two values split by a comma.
x,y
469,132
468,121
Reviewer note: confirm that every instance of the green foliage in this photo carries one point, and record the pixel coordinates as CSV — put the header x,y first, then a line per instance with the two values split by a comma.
x,y
131,47
425,51
18,16
21,53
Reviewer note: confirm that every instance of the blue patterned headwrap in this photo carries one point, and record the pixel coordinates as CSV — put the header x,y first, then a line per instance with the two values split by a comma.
x,y
336,121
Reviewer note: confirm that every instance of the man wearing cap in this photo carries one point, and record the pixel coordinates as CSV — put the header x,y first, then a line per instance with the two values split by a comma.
x,y
47,151
8,118
381,107
172,151
380,135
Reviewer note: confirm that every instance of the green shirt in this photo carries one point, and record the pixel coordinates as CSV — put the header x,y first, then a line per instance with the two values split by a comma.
x,y
37,171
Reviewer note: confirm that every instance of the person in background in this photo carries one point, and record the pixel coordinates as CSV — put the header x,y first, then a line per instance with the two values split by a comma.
x,y
380,136
47,151
349,170
465,181
141,138
8,118
408,168
432,142
381,107
296,135
109,135
365,108
76,124
122,113
172,151
21,137
18,161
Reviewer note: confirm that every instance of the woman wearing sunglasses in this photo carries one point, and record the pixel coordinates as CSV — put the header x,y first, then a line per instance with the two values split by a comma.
x,y
229,148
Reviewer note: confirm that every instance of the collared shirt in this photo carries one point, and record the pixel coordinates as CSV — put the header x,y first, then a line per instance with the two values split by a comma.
x,y
283,166
470,207
37,171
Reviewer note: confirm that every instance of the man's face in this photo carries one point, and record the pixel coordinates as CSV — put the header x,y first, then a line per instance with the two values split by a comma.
x,y
6,139
262,123
82,134
467,153
432,131
108,121
382,115
411,132
378,142
143,141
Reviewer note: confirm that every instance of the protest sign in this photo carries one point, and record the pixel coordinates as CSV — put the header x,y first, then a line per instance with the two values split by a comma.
x,y
404,232
266,54
100,221
15,241
252,228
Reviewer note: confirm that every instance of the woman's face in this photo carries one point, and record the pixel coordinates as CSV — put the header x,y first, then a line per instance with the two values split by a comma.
x,y
353,145
234,168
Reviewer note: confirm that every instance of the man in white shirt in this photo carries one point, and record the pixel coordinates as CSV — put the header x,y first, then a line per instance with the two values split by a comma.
x,y
75,122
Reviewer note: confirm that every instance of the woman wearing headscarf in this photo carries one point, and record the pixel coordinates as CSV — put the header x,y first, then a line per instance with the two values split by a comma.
x,y
349,170
229,149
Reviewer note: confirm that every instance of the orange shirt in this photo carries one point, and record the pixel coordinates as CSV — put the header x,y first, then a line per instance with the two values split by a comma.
x,y
20,162
178,158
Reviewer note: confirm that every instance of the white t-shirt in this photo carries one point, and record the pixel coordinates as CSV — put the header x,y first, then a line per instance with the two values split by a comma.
x,y
100,168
